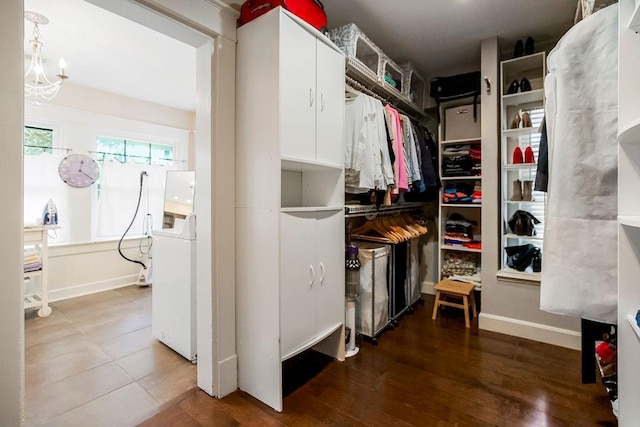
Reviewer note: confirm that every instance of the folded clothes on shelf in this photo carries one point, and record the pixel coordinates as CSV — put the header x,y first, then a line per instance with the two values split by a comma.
x,y
460,263
458,192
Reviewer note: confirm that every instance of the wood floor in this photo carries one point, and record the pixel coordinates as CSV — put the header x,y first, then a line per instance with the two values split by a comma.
x,y
93,362
424,373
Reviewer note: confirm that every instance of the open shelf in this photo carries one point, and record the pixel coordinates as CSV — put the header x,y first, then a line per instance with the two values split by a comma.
x,y
629,221
298,165
511,273
517,236
515,133
631,133
364,77
522,202
460,248
311,208
462,205
634,325
461,141
520,166
523,98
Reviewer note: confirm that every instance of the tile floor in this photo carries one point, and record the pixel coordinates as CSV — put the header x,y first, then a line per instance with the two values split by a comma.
x,y
93,362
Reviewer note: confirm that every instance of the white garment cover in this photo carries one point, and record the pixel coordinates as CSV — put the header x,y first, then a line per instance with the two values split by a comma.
x,y
579,261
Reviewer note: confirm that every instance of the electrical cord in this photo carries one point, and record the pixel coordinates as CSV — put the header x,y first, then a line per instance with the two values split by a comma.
x,y
142,175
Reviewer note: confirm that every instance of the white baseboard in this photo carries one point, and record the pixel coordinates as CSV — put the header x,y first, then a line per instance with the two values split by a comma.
x,y
427,288
529,330
91,288
228,371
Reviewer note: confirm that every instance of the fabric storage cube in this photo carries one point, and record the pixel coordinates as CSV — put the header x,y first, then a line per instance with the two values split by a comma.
x,y
391,75
459,123
413,85
372,306
359,49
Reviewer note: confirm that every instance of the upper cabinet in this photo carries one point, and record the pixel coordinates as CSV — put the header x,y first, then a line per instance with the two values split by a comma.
x,y
311,96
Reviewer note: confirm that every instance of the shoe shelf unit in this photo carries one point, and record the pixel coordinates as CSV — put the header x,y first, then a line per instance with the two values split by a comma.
x,y
628,349
519,155
457,132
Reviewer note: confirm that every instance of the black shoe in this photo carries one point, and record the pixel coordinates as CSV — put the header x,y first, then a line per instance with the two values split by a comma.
x,y
518,49
525,86
513,87
528,46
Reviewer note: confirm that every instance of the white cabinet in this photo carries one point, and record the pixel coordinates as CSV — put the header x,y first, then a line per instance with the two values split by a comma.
x,y
289,199
312,273
311,96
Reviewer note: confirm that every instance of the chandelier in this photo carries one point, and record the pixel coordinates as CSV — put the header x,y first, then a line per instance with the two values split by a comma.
x,y
36,83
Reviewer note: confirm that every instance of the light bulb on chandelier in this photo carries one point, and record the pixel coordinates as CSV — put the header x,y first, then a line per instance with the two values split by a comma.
x,y
36,83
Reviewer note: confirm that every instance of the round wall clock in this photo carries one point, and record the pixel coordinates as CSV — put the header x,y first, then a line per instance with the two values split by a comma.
x,y
78,170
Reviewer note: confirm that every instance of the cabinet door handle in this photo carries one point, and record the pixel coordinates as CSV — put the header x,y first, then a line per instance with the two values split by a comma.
x,y
310,97
322,102
312,276
321,274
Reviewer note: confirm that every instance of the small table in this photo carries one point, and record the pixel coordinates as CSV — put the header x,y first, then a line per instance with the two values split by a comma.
x,y
37,236
450,288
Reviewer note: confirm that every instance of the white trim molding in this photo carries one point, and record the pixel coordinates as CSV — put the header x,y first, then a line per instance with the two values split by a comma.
x,y
529,330
92,288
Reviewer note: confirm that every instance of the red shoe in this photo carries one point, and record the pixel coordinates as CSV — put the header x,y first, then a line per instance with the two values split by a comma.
x,y
517,156
528,155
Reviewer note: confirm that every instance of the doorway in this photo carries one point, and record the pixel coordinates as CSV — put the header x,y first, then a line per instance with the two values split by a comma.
x,y
81,319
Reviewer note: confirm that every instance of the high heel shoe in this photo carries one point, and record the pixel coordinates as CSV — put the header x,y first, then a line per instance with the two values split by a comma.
x,y
526,120
513,87
518,49
515,123
517,156
528,46
528,155
525,85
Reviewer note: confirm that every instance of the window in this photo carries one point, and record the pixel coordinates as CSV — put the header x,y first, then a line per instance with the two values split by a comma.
x,y
126,150
37,140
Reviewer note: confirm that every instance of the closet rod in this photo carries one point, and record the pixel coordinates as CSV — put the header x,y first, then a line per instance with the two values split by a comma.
x,y
47,148
353,83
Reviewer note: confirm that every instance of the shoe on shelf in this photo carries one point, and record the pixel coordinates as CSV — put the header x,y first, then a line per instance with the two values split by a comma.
x,y
517,191
526,120
528,155
528,46
517,156
513,87
515,123
527,187
518,49
525,85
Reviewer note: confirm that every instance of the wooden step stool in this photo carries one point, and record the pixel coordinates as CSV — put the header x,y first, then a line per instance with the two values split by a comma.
x,y
450,288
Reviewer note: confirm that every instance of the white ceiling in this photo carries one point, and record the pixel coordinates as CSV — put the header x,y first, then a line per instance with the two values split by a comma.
x,y
440,37
105,51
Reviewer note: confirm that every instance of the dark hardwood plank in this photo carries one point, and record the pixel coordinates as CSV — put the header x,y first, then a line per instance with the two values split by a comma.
x,y
424,373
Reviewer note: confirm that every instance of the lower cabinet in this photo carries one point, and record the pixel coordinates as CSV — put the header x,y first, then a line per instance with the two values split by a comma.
x,y
312,277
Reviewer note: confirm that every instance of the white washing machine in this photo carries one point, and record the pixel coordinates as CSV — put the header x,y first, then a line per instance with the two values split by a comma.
x,y
173,294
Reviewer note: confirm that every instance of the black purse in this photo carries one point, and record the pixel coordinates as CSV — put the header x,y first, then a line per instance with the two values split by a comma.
x,y
523,223
520,257
460,86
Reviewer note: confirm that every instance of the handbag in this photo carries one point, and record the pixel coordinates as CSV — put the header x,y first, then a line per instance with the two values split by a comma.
x,y
523,223
460,86
520,257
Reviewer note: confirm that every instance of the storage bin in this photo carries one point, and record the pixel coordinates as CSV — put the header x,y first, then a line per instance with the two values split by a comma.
x,y
413,276
413,85
372,306
459,123
359,49
391,75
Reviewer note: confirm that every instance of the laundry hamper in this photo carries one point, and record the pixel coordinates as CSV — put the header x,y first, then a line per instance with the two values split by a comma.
x,y
414,286
372,307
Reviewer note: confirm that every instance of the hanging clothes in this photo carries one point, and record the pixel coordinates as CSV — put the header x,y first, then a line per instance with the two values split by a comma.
x,y
367,161
399,167
579,260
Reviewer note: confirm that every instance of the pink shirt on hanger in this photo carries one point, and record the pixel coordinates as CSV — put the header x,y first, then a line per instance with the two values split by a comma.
x,y
399,168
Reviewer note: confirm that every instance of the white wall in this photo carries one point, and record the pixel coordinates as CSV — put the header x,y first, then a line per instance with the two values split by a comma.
x,y
507,306
11,314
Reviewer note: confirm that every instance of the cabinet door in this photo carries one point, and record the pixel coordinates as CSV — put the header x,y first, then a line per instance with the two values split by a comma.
x,y
298,279
330,235
330,106
297,91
